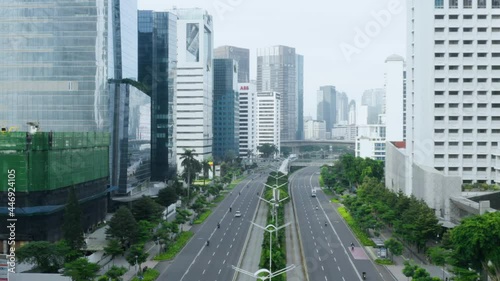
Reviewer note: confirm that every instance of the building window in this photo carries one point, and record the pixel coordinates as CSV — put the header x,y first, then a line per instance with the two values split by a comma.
x,y
467,169
453,29
453,4
439,4
439,105
467,4
468,29
467,55
439,156
467,93
467,156
482,105
440,131
482,17
467,118
467,131
439,55
438,118
439,29
453,169
481,4
482,131
482,118
453,80
480,80
453,42
468,67
453,105
453,131
482,29
453,55
467,17
453,156
495,4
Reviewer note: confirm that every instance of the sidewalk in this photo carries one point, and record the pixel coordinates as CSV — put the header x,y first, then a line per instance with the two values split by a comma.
x,y
416,258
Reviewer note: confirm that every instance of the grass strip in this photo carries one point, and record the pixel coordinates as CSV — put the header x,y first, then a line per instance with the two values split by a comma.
x,y
175,248
362,236
203,217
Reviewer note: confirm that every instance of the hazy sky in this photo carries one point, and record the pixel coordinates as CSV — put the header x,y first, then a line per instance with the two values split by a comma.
x,y
344,44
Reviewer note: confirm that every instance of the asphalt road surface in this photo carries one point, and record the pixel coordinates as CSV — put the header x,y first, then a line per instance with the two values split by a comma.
x,y
213,262
327,249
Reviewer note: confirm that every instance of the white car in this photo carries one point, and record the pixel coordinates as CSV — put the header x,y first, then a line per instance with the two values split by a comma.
x,y
237,214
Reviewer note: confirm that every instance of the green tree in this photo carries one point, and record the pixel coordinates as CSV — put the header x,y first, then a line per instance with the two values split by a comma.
x,y
136,254
113,249
72,226
191,166
81,270
116,273
147,209
167,196
46,256
123,226
267,150
409,269
205,166
395,247
476,242
438,256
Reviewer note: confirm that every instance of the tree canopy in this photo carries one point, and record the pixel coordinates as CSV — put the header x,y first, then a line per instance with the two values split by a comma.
x,y
167,196
81,270
123,226
147,209
267,150
72,226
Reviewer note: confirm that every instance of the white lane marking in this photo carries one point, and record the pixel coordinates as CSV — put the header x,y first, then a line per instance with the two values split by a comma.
x,y
338,267
227,254
217,247
213,253
224,262
209,261
219,270
203,271
322,268
343,278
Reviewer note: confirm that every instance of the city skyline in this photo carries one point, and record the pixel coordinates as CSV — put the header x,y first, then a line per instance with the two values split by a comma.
x,y
336,59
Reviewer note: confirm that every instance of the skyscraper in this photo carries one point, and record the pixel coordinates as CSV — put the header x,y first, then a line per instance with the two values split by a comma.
x,y
394,98
240,55
374,99
57,77
327,106
157,64
194,83
342,114
454,87
276,72
226,109
300,95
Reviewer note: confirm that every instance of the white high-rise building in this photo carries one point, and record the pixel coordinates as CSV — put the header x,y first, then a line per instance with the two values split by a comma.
x,y
248,117
394,98
268,118
315,129
194,83
454,87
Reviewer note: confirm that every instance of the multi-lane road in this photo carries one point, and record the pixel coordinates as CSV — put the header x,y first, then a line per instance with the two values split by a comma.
x,y
197,261
325,238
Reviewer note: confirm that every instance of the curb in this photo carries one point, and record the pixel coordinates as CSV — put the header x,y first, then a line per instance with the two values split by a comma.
x,y
302,257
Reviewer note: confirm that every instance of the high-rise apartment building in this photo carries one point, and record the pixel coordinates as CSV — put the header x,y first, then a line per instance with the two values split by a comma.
x,y
248,117
240,55
194,83
54,68
268,119
395,98
327,106
314,130
454,87
157,33
276,72
300,96
226,109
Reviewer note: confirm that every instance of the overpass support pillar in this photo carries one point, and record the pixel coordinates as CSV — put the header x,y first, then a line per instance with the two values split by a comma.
x,y
295,150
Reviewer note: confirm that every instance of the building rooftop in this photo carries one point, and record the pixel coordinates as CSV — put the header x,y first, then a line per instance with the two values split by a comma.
x,y
399,144
394,57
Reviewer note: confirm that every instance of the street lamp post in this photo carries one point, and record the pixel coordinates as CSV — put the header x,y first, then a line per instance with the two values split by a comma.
x,y
136,271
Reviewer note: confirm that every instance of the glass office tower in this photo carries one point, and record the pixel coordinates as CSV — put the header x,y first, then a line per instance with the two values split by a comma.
x,y
226,109
241,55
54,65
157,71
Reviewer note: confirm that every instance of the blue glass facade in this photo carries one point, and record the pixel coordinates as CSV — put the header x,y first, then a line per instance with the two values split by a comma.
x,y
54,65
130,159
157,63
226,109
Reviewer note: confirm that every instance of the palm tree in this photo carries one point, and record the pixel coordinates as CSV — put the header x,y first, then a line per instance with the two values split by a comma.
x,y
191,165
205,165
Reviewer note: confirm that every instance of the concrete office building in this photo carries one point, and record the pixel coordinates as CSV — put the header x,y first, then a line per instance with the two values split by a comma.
x,y
454,87
194,83
240,55
248,117
268,119
395,103
276,72
342,110
226,109
157,33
